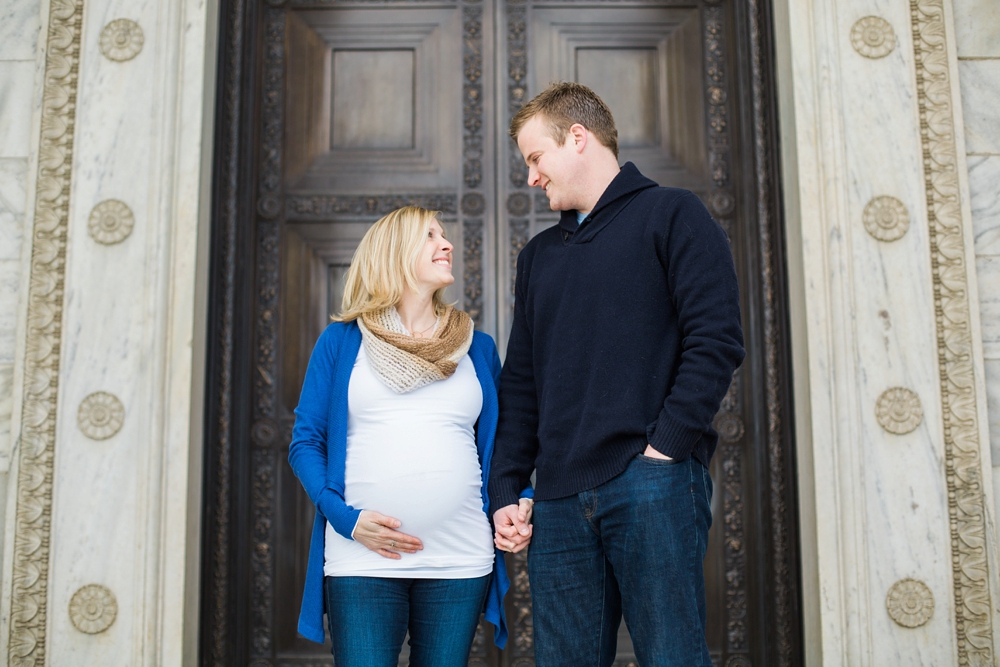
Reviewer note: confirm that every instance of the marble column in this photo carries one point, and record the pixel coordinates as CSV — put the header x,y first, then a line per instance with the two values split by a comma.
x,y
899,540
102,516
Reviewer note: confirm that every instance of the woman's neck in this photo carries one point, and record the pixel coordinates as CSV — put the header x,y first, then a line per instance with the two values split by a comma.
x,y
416,312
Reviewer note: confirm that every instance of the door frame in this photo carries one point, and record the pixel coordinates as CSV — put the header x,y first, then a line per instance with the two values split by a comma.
x,y
237,566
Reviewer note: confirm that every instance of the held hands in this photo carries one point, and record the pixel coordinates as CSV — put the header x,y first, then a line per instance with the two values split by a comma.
x,y
513,526
378,533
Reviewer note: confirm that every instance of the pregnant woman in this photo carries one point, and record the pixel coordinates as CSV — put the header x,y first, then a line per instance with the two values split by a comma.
x,y
392,442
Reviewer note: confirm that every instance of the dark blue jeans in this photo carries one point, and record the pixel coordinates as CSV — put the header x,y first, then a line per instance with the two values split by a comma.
x,y
633,545
369,617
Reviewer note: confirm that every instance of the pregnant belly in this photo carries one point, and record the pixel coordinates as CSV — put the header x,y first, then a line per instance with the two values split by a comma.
x,y
424,502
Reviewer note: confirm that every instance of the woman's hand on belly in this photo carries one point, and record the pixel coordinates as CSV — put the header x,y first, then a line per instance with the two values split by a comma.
x,y
378,533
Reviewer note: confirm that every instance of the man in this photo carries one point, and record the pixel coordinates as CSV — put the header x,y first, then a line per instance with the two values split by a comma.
x,y
625,337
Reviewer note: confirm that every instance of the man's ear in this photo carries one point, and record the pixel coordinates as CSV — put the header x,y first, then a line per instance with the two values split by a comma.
x,y
580,135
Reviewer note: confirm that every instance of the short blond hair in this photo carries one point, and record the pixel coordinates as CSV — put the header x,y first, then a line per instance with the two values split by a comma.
x,y
385,263
564,104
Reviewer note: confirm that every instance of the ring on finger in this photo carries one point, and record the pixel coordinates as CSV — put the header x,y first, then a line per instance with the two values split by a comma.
x,y
394,544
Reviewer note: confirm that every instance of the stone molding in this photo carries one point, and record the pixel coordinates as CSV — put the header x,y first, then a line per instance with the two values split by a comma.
x,y
93,609
898,410
886,218
910,603
960,410
121,40
33,518
873,37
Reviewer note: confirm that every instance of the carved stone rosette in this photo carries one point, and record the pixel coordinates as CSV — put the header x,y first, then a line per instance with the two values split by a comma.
x,y
960,406
910,603
121,40
28,589
886,218
873,37
898,410
100,416
93,609
110,222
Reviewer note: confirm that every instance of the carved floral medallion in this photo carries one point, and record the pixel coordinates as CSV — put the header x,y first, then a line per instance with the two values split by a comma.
x,y
886,218
121,40
873,37
910,603
898,410
100,416
93,609
110,222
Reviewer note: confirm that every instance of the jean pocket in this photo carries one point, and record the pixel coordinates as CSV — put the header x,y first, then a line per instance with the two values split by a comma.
x,y
658,462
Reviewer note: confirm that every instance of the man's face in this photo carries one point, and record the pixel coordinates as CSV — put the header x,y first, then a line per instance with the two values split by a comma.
x,y
552,167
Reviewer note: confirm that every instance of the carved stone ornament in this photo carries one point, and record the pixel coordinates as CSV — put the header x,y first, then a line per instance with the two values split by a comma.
x,y
100,416
910,603
960,404
93,609
873,37
32,535
121,40
110,222
898,410
886,218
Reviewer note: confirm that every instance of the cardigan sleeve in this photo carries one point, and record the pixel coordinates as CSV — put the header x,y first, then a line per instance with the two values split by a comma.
x,y
308,451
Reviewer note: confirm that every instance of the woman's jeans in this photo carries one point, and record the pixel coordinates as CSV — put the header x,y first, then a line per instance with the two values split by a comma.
x,y
633,545
369,617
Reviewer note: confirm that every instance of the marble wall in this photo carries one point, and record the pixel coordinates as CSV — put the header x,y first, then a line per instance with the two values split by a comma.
x,y
977,35
893,245
899,539
108,135
19,25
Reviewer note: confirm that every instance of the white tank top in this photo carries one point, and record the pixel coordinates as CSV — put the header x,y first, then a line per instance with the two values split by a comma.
x,y
413,457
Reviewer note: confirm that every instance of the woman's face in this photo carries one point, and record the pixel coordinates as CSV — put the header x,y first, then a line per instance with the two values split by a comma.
x,y
434,261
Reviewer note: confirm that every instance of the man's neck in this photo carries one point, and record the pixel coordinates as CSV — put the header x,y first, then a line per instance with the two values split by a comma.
x,y
597,183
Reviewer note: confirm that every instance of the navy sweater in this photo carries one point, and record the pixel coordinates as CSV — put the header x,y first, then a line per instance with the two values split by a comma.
x,y
626,332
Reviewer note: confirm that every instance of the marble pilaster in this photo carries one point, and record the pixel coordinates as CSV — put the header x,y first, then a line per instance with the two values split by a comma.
x,y
104,501
885,506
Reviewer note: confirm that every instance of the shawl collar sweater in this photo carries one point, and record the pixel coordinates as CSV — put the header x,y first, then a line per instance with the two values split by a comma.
x,y
626,331
318,454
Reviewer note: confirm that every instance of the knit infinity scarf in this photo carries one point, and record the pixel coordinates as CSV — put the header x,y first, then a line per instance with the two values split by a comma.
x,y
405,363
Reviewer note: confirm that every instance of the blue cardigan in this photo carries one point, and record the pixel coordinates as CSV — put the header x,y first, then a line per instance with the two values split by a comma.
x,y
318,454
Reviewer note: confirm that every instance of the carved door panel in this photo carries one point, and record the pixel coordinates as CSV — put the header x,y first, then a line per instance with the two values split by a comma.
x,y
332,113
383,106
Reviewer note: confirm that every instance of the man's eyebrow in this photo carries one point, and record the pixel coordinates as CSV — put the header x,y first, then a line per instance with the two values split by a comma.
x,y
527,160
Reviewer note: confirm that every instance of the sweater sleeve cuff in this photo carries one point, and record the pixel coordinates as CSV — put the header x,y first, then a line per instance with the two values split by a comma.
x,y
672,438
503,493
528,492
341,516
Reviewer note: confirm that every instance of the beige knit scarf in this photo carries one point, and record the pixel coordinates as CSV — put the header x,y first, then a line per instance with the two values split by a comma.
x,y
405,363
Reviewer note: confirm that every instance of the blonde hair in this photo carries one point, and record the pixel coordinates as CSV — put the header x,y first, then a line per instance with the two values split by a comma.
x,y
385,263
564,104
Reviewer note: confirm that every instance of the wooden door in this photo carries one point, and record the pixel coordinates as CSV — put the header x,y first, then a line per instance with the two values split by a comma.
x,y
334,112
